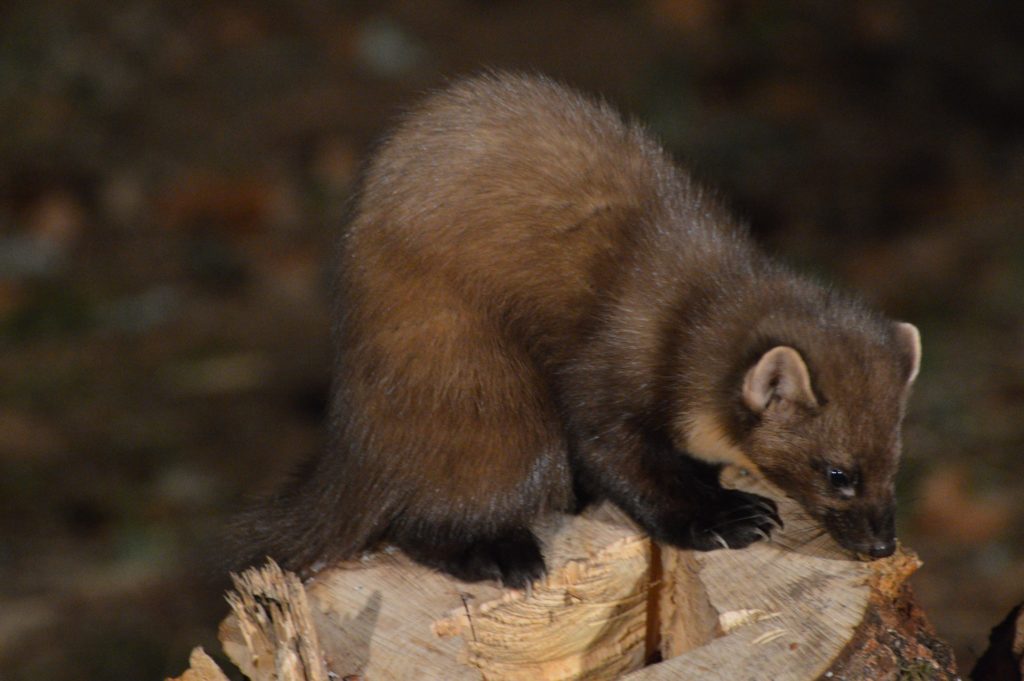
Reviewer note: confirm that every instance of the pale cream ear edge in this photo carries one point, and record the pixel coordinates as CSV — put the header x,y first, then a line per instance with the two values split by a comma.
x,y
910,340
779,374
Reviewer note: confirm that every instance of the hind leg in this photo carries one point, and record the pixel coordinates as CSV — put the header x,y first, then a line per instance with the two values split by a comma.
x,y
465,444
511,556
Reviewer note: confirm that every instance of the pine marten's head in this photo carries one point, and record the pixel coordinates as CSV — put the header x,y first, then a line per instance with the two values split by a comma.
x,y
821,417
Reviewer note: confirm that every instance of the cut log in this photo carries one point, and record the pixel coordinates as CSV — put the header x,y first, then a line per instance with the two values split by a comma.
x,y
614,605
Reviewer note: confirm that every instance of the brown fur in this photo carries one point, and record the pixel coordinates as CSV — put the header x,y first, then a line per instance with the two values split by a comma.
x,y
535,308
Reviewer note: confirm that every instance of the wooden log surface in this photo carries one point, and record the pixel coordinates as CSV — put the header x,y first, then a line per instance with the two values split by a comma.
x,y
614,605
202,668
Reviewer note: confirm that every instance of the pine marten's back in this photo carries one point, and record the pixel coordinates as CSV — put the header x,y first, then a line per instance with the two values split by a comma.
x,y
527,194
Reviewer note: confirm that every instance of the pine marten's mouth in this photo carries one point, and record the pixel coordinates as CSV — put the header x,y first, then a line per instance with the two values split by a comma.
x,y
876,550
861,533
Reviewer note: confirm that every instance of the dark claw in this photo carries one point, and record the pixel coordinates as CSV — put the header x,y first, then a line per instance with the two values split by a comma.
x,y
737,520
772,511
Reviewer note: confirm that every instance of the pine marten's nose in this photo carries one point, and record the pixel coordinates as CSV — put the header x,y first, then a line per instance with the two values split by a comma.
x,y
883,529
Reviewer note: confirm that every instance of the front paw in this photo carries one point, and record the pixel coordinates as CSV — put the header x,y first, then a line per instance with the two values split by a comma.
x,y
736,520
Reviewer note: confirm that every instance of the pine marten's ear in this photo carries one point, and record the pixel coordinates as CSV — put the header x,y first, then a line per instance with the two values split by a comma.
x,y
909,339
779,377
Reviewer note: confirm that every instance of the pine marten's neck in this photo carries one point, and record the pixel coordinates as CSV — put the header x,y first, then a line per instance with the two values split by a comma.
x,y
734,313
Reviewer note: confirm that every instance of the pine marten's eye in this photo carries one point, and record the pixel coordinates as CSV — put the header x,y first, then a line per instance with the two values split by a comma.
x,y
841,481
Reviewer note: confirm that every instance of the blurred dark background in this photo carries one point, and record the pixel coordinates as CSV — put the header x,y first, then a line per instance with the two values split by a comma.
x,y
172,176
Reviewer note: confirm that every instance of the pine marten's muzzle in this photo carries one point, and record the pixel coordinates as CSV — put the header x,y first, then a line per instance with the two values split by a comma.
x,y
867,530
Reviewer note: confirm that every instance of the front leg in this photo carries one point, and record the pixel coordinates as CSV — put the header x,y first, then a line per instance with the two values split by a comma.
x,y
731,520
676,498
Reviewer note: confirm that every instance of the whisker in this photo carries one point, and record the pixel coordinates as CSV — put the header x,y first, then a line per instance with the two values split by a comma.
x,y
736,521
787,541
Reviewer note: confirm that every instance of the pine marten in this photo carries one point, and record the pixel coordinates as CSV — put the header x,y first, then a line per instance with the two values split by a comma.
x,y
536,309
